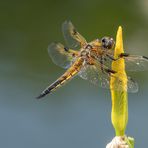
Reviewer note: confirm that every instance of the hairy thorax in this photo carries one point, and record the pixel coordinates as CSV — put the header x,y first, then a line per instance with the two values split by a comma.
x,y
90,52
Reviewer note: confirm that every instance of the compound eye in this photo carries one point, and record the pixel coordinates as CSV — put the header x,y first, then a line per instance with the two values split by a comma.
x,y
103,40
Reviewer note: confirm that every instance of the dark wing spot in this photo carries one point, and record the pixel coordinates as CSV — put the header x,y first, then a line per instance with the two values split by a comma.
x,y
145,57
74,32
66,49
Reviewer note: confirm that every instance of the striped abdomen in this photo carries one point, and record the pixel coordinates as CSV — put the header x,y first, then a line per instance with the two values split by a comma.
x,y
69,74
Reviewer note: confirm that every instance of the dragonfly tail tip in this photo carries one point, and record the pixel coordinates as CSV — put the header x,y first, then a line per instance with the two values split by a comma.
x,y
40,96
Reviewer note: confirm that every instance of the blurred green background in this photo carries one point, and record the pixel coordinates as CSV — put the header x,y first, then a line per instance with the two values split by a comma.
x,y
78,114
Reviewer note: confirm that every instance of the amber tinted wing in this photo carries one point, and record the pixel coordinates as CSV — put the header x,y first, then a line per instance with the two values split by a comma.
x,y
95,75
60,55
72,37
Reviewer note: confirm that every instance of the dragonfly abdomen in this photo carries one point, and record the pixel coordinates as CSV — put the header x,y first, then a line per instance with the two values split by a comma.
x,y
69,74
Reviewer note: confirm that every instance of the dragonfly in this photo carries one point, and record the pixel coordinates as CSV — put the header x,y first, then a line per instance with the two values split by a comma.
x,y
91,61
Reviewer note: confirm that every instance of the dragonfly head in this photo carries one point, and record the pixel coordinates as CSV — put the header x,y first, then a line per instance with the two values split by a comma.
x,y
108,42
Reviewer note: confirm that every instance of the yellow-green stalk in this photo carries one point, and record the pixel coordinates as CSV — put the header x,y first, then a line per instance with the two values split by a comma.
x,y
119,113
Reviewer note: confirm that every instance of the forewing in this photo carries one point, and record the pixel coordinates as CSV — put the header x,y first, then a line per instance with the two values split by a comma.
x,y
60,55
94,74
132,62
73,38
136,63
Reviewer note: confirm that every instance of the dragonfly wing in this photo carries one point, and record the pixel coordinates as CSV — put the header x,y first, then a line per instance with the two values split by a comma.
x,y
73,38
60,55
95,75
132,86
136,63
132,62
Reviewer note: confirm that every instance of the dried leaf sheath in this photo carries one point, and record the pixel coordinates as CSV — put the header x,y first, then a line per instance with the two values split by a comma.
x,y
119,113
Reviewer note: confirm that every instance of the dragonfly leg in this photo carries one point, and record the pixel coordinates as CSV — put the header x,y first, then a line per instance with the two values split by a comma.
x,y
101,64
110,71
105,69
112,58
122,55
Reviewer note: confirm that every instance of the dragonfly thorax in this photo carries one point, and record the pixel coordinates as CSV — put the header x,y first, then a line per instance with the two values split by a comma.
x,y
85,52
